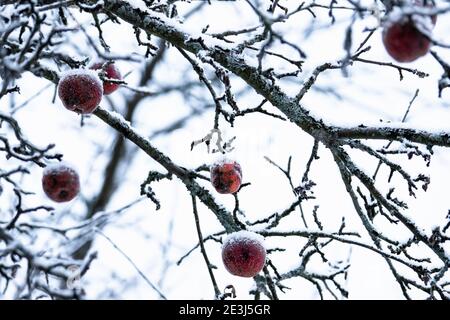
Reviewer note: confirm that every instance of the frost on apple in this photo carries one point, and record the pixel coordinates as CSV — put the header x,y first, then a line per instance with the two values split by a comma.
x,y
111,72
61,182
80,90
404,42
226,176
244,253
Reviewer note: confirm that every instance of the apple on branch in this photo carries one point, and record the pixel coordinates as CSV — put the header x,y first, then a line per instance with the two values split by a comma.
x,y
406,37
80,90
61,182
244,253
111,72
226,176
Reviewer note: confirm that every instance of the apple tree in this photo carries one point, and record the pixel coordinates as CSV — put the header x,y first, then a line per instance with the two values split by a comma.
x,y
265,149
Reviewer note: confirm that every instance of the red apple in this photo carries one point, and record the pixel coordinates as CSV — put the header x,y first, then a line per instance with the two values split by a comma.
x,y
226,176
80,90
404,37
244,254
111,72
404,42
60,182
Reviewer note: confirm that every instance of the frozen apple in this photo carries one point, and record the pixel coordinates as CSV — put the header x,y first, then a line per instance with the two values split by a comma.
x,y
405,37
111,72
404,42
226,176
80,90
244,254
60,182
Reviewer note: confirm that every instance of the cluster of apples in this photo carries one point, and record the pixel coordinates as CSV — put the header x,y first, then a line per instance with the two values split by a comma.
x,y
81,91
406,37
243,252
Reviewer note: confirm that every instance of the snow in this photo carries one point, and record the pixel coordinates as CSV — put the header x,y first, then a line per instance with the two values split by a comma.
x,y
243,236
222,159
119,118
396,15
59,167
401,14
424,24
139,4
91,74
192,30
209,41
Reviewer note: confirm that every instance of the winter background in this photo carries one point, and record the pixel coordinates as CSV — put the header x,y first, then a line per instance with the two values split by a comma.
x,y
156,240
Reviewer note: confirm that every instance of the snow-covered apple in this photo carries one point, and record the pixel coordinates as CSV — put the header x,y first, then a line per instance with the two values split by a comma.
x,y
428,4
111,72
80,90
226,176
404,42
61,182
244,253
405,37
